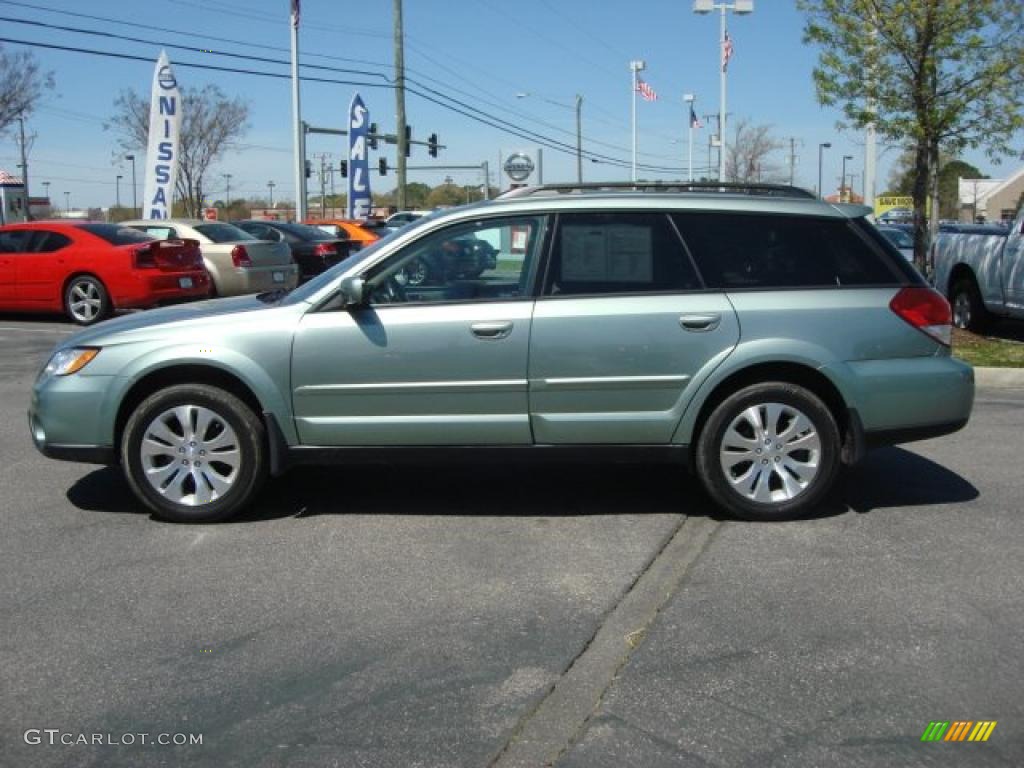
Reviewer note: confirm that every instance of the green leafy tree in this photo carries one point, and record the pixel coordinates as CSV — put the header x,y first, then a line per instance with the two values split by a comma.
x,y
932,75
445,194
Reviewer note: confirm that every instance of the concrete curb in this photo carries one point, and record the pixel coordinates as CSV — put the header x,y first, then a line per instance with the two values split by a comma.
x,y
999,378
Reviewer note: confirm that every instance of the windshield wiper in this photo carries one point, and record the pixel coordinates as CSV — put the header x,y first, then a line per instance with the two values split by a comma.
x,y
269,297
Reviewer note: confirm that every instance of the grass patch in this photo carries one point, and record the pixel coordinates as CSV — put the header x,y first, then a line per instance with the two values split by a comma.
x,y
987,352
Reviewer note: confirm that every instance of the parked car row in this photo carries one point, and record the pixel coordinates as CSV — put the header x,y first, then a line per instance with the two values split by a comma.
x,y
87,270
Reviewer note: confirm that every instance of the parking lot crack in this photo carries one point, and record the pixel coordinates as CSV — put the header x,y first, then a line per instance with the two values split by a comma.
x,y
557,721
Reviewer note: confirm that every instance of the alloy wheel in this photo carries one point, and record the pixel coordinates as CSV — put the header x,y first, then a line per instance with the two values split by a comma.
x,y
962,310
85,301
770,453
190,455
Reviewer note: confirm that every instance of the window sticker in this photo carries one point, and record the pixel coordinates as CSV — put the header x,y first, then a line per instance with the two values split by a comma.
x,y
615,253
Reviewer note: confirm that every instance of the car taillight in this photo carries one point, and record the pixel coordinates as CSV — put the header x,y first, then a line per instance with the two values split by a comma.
x,y
144,258
925,309
240,256
324,249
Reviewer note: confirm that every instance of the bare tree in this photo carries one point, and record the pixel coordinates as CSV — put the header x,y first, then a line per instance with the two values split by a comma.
x,y
22,82
210,124
748,157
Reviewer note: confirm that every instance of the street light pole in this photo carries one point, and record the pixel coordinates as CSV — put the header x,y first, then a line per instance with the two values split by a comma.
x,y
738,7
270,186
821,148
842,182
135,199
117,191
227,192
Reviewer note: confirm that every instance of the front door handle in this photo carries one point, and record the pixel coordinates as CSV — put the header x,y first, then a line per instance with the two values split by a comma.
x,y
498,330
700,323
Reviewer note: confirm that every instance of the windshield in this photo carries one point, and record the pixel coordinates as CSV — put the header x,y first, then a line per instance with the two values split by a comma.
x,y
224,233
305,291
898,237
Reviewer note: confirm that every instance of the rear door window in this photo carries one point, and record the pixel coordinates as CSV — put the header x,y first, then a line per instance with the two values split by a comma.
x,y
618,252
740,250
48,242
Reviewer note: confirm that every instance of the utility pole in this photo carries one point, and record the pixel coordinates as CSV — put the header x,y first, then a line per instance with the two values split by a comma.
x,y
323,185
227,193
117,191
635,66
793,141
403,145
24,164
579,139
270,186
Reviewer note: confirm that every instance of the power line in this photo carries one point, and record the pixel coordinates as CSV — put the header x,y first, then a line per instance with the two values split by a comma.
x,y
264,59
434,96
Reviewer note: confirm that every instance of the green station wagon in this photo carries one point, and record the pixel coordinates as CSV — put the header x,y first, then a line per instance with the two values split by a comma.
x,y
754,333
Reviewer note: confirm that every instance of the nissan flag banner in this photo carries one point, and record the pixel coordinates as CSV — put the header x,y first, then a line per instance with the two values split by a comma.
x,y
359,201
162,154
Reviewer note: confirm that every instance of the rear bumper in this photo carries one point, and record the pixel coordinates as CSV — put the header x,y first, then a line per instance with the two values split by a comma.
x,y
151,288
242,280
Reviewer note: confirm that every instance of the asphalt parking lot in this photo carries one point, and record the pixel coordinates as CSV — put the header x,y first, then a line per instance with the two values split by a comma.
x,y
576,616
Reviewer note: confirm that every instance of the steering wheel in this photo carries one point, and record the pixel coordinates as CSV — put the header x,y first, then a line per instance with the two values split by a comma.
x,y
391,292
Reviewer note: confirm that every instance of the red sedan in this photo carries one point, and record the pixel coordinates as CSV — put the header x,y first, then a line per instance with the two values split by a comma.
x,y
89,269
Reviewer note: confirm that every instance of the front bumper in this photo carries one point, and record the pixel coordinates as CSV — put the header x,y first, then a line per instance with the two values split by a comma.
x,y
66,419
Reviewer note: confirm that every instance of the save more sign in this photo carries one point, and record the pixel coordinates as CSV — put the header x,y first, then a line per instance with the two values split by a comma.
x,y
162,153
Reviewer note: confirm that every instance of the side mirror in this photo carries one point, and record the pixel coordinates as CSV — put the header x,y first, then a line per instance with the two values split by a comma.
x,y
353,291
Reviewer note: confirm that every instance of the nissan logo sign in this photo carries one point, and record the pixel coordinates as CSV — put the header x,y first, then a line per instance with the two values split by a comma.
x,y
166,78
519,166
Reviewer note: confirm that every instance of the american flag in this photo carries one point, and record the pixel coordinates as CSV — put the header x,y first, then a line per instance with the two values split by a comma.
x,y
726,52
295,13
694,120
646,91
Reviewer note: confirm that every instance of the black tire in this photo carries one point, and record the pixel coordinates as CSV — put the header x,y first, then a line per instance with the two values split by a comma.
x,y
86,300
969,311
416,273
248,436
709,457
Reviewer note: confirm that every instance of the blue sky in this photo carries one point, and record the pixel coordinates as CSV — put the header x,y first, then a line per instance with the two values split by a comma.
x,y
482,52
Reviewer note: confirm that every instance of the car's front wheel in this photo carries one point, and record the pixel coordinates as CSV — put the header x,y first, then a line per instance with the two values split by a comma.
x,y
769,452
194,453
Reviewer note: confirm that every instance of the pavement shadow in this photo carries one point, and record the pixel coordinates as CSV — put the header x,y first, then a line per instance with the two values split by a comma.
x,y
887,478
1011,330
896,477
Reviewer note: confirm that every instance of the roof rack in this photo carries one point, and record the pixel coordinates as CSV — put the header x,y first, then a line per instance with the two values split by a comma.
x,y
727,188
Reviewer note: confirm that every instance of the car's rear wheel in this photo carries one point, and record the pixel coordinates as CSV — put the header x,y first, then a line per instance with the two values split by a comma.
x,y
193,453
86,300
769,452
969,311
415,272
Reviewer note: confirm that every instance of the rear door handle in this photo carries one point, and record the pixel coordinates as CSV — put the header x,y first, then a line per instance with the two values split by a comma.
x,y
700,323
498,330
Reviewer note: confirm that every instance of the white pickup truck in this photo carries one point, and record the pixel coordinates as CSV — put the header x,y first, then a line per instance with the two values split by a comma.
x,y
982,275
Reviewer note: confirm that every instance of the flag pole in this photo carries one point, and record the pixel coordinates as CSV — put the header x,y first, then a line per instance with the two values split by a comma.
x,y
721,120
299,140
636,65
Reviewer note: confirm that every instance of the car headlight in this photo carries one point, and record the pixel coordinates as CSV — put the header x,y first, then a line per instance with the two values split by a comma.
x,y
68,361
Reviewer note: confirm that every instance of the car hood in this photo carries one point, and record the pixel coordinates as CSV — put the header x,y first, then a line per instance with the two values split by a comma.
x,y
156,323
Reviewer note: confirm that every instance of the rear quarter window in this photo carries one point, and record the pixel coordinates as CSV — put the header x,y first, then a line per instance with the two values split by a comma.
x,y
756,251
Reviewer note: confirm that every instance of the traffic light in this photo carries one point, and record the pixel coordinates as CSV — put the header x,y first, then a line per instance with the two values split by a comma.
x,y
343,167
432,145
371,137
408,141
309,169
382,166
